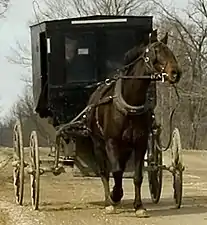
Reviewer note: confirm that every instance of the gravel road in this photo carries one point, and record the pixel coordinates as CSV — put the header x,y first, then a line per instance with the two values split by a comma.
x,y
75,200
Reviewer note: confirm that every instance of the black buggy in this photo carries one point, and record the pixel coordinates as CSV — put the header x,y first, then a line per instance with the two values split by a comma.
x,y
70,59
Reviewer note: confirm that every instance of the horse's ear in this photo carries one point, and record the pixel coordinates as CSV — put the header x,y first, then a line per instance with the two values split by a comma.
x,y
165,39
153,36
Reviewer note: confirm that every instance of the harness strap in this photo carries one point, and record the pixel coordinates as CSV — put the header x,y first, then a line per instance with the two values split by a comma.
x,y
125,108
104,101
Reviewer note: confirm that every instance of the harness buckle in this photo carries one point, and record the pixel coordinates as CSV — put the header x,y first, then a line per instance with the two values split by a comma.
x,y
146,59
153,76
163,77
107,81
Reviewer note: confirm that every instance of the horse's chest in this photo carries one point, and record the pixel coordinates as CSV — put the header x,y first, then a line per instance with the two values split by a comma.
x,y
132,133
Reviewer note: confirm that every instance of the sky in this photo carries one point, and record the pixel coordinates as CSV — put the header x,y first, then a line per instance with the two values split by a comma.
x,y
15,27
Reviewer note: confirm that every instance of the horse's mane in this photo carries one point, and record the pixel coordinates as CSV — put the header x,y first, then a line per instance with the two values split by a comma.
x,y
133,53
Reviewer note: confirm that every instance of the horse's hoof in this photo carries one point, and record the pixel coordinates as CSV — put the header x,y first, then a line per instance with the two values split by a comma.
x,y
141,213
110,209
114,203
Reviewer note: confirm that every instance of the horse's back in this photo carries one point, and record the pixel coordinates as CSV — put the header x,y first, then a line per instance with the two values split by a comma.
x,y
99,93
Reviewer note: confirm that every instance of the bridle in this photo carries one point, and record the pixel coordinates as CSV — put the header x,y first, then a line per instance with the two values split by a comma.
x,y
148,57
152,75
145,55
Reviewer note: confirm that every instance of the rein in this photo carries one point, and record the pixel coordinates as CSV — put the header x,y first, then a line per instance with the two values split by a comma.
x,y
153,77
158,145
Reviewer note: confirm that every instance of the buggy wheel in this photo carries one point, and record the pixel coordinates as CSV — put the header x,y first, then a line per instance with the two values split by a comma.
x,y
155,173
35,165
58,148
178,186
18,163
177,163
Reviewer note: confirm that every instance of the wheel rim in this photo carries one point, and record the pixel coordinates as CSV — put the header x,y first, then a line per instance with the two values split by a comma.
x,y
176,149
154,177
18,170
58,149
177,185
35,176
155,184
177,163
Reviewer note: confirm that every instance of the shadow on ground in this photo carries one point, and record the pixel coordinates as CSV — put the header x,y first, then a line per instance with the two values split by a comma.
x,y
191,205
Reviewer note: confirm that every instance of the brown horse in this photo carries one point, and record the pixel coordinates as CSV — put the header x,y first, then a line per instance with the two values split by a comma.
x,y
121,123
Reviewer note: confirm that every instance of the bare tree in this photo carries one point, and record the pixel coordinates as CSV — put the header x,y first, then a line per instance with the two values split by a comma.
x,y
3,6
21,55
69,8
24,110
190,42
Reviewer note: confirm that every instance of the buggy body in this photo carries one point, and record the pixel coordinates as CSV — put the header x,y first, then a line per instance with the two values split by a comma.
x,y
70,56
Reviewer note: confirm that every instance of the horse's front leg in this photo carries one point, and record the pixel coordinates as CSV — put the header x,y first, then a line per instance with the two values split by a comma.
x,y
112,149
101,159
140,151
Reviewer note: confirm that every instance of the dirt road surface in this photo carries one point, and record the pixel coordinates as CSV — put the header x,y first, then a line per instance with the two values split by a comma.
x,y
66,200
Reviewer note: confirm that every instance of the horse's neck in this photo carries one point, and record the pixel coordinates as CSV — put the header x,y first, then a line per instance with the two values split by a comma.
x,y
134,90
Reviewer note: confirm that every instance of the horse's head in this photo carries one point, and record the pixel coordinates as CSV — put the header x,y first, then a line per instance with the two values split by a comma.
x,y
162,58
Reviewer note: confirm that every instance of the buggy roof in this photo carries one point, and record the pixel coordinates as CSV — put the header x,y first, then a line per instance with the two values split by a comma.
x,y
101,19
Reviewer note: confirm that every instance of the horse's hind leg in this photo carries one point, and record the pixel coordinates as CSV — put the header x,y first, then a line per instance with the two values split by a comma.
x,y
138,177
101,159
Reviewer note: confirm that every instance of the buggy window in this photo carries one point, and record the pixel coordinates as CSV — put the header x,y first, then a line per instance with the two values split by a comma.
x,y
43,58
79,58
70,49
114,44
